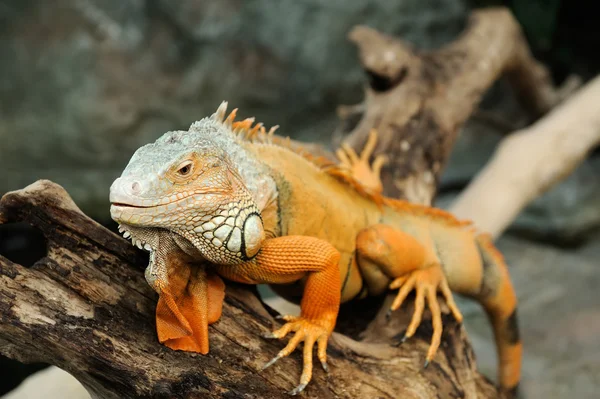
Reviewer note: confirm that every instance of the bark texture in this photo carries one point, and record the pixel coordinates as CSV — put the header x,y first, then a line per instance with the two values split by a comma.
x,y
86,308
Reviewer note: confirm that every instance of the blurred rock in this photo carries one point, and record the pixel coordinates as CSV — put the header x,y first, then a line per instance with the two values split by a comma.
x,y
83,83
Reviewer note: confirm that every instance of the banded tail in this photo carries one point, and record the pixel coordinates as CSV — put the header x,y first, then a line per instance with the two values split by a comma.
x,y
499,300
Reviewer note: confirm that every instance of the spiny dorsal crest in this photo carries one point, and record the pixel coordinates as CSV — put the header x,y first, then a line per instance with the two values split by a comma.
x,y
243,129
258,134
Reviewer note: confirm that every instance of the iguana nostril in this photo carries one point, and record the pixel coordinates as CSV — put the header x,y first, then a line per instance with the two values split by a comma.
x,y
135,187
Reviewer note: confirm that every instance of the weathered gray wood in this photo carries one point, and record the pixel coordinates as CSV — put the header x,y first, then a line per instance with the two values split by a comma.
x,y
86,308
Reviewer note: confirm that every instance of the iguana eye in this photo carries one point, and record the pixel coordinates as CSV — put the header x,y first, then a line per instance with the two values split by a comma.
x,y
185,168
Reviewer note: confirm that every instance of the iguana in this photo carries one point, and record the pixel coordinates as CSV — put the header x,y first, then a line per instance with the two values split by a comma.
x,y
259,210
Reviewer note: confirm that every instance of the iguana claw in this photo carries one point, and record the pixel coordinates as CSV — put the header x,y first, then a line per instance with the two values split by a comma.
x,y
403,340
269,335
311,333
270,362
425,282
297,390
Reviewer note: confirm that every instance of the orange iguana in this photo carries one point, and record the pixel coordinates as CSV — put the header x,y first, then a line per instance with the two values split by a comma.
x,y
259,211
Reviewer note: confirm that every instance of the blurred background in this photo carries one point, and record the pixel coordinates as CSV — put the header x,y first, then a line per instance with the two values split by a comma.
x,y
84,83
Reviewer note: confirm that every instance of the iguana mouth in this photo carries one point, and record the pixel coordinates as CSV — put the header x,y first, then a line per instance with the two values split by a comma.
x,y
144,216
123,205
163,203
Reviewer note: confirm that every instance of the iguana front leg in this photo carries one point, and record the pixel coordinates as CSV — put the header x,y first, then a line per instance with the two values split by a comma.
x,y
190,294
386,254
287,259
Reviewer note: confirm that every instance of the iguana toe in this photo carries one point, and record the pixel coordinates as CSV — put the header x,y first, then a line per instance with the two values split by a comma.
x,y
297,390
310,333
426,282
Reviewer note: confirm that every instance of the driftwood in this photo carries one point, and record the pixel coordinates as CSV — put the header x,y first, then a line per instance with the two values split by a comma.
x,y
531,161
86,308
419,101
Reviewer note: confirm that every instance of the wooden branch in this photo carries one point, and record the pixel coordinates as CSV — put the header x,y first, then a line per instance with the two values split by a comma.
x,y
531,161
419,100
87,309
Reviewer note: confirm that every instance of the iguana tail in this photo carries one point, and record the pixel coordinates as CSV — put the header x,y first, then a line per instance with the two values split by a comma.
x,y
500,303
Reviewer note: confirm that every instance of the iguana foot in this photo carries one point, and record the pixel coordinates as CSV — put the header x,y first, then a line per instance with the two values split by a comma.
x,y
310,332
426,282
358,166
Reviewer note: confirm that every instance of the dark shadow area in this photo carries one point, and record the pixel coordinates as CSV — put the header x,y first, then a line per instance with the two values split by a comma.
x,y
13,373
381,83
22,244
25,245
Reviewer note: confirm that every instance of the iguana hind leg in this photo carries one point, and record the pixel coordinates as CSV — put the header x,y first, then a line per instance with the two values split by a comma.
x,y
386,254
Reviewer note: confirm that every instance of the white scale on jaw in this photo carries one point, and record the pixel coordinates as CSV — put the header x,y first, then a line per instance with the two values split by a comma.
x,y
137,243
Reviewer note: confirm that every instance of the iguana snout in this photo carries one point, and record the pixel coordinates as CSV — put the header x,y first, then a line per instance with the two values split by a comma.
x,y
194,192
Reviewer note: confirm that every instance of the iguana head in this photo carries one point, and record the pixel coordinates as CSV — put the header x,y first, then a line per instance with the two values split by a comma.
x,y
189,182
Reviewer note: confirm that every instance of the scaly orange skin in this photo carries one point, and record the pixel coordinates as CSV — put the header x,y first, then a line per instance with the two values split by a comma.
x,y
390,244
327,228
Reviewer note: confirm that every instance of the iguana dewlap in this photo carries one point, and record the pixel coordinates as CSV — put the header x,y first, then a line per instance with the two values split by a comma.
x,y
247,206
